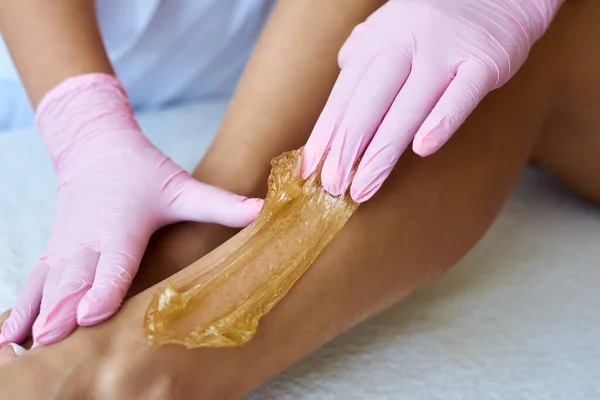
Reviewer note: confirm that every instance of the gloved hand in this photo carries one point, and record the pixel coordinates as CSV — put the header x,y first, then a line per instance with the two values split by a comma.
x,y
416,69
115,189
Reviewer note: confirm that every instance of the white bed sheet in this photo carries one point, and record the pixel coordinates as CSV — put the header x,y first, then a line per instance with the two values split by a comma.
x,y
518,318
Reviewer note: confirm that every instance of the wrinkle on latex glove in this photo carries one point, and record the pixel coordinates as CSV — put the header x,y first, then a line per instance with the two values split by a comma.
x,y
114,190
416,69
221,305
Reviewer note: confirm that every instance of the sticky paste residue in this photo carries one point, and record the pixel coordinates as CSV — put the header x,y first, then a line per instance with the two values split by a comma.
x,y
221,305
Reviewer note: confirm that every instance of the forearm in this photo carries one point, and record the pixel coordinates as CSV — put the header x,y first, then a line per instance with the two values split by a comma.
x,y
282,91
51,41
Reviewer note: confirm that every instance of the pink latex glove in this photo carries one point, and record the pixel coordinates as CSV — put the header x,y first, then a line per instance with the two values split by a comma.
x,y
416,69
115,189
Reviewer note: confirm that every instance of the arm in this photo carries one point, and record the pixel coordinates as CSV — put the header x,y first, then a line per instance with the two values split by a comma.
x,y
103,163
67,44
282,91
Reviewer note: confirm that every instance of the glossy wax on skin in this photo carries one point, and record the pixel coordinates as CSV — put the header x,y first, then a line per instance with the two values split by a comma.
x,y
115,188
221,305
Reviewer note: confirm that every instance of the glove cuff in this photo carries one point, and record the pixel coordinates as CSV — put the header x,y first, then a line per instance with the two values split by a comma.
x,y
80,110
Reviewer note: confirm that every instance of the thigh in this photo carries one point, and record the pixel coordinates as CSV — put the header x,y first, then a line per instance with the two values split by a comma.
x,y
570,141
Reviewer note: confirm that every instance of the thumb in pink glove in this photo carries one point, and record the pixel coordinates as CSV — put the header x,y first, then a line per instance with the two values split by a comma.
x,y
115,189
416,69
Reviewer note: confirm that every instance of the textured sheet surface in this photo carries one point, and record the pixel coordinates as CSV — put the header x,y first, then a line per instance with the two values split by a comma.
x,y
518,318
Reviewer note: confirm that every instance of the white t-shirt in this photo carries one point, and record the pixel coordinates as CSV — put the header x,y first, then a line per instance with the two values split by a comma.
x,y
164,51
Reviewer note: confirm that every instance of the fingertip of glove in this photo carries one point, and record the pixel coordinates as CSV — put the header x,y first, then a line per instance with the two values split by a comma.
x,y
361,196
94,319
51,335
365,187
93,310
250,208
307,165
426,145
253,203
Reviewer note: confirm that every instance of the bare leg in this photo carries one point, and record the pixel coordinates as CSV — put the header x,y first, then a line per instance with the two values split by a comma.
x,y
570,143
426,217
